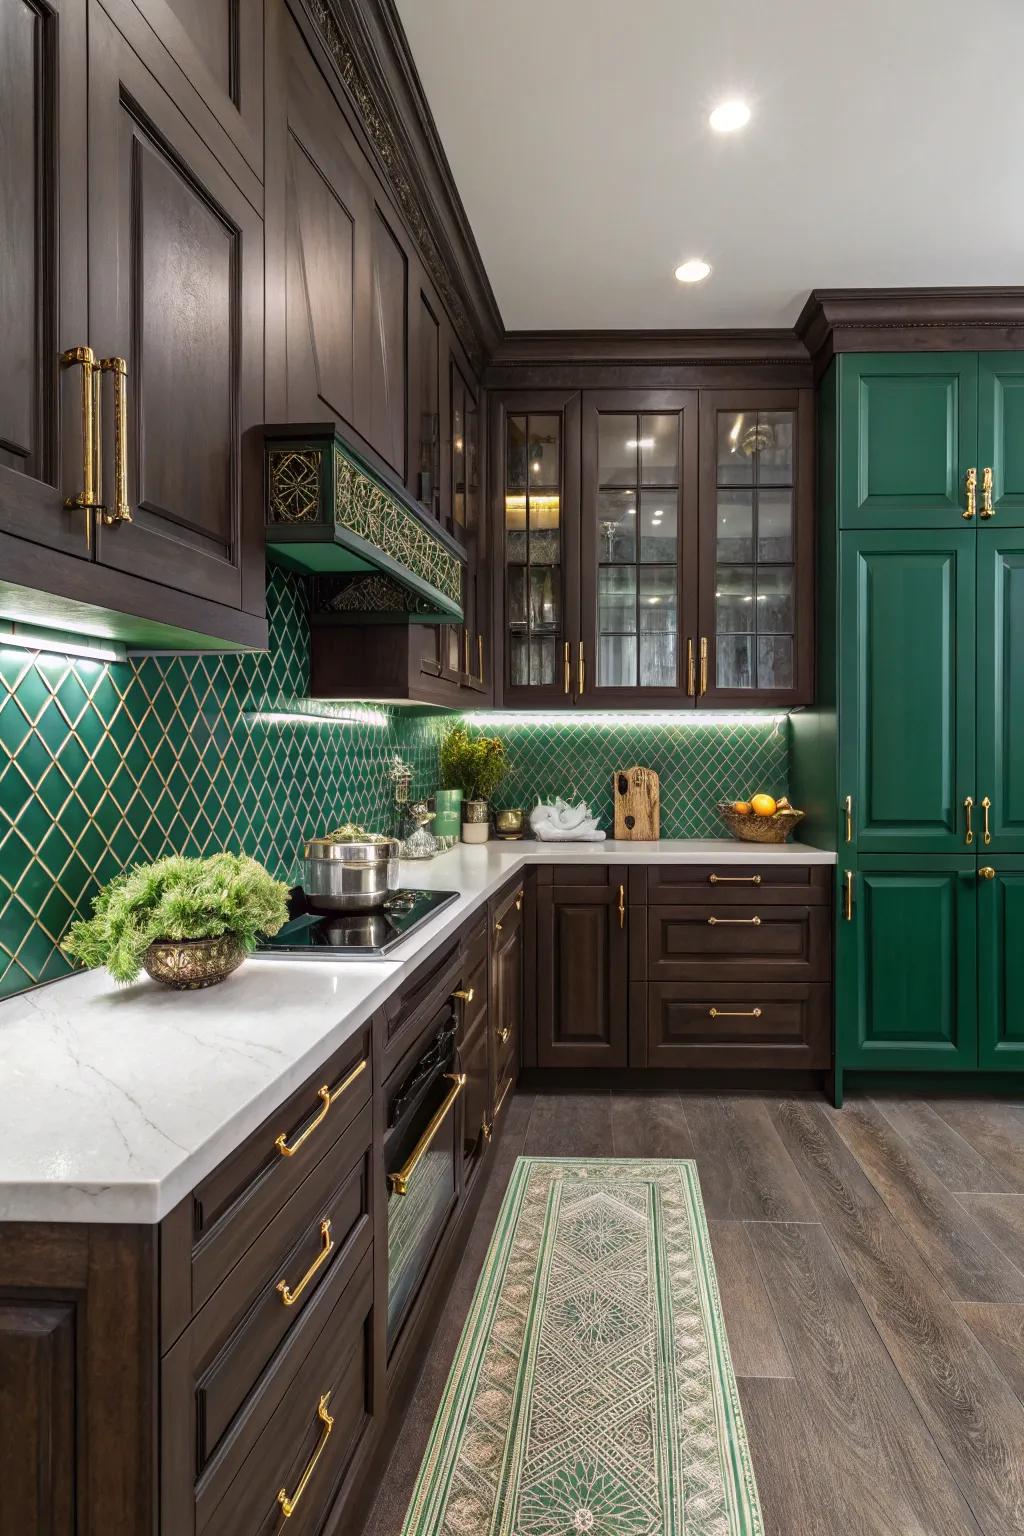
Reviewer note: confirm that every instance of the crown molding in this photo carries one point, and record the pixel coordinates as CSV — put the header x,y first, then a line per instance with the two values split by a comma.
x,y
653,358
910,320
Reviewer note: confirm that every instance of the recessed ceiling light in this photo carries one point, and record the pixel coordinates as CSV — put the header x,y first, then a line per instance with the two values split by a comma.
x,y
730,115
693,271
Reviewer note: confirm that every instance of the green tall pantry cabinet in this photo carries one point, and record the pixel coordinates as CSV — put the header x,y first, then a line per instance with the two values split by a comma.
x,y
918,734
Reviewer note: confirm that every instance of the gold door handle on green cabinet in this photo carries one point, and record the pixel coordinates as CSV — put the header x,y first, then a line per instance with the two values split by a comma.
x,y
971,491
968,826
848,815
120,512
986,830
848,896
85,358
986,872
987,509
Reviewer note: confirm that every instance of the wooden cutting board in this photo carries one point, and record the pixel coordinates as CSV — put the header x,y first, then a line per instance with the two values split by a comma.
x,y
637,796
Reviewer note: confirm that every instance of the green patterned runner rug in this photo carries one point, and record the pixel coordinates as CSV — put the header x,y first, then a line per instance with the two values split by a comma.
x,y
592,1389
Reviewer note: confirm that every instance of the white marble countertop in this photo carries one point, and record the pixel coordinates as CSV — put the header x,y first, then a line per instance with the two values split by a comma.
x,y
118,1100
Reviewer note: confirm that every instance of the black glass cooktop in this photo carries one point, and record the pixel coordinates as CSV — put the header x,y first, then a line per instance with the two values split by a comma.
x,y
309,935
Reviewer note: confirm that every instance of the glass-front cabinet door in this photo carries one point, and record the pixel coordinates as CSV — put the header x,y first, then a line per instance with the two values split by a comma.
x,y
756,593
536,446
638,547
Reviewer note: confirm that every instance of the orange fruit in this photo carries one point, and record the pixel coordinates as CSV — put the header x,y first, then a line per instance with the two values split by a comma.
x,y
741,807
763,805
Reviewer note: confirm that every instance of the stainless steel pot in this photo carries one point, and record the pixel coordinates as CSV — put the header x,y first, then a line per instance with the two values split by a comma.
x,y
350,872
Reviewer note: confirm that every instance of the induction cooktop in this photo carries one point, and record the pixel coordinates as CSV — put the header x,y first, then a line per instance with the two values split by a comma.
x,y
311,935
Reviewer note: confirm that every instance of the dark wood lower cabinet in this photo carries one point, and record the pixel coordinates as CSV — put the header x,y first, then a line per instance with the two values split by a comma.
x,y
582,967
37,1416
723,1024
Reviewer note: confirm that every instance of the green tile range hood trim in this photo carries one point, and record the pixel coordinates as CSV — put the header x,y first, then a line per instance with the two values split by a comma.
x,y
331,514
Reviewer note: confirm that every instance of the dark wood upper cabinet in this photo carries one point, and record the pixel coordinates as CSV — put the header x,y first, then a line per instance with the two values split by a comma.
x,y
582,968
176,289
388,346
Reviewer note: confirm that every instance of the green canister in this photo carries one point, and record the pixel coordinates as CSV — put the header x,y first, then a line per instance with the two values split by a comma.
x,y
448,820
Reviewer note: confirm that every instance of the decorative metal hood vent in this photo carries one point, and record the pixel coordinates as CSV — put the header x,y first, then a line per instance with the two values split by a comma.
x,y
377,556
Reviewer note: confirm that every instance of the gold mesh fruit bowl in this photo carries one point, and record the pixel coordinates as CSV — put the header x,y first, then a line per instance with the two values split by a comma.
x,y
190,963
760,829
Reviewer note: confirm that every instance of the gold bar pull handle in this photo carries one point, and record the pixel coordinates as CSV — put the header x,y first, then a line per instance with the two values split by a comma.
x,y
848,895
734,879
289,1505
722,1013
581,671
327,1098
465,651
703,666
480,657
734,922
120,512
622,906
968,823
290,1297
567,669
691,671
85,358
986,830
848,816
971,490
987,509
400,1181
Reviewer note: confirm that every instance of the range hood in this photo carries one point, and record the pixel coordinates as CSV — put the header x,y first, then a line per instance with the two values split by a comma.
x,y
376,555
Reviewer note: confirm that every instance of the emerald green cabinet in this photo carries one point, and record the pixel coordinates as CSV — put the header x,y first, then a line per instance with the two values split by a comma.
x,y
906,687
1001,436
907,965
1001,966
1000,689
908,435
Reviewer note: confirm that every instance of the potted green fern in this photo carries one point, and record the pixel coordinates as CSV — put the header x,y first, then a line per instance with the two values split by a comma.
x,y
188,922
476,765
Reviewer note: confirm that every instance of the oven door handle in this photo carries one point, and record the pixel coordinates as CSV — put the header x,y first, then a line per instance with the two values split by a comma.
x,y
400,1181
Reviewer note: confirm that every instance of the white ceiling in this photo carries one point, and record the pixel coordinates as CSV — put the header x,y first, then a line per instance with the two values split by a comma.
x,y
886,148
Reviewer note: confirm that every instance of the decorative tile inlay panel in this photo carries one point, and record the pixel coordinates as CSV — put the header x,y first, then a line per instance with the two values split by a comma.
x,y
368,510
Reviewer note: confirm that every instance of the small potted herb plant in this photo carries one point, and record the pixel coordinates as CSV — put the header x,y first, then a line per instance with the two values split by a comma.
x,y
189,922
476,765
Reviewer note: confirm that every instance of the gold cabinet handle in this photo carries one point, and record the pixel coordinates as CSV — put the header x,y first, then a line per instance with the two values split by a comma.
x,y
986,872
400,1181
85,358
289,1505
968,826
503,1034
120,512
480,657
290,1297
486,1129
848,895
987,509
463,995
848,815
722,1013
691,671
971,488
504,1095
519,901
465,650
703,666
497,927
986,830
734,879
567,668
327,1098
622,906
581,671
740,922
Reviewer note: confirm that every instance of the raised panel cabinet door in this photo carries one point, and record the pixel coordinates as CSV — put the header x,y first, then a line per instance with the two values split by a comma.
x,y
907,689
907,965
176,291
1001,690
1001,964
908,434
582,976
389,345
43,295
1001,438
37,1411
638,548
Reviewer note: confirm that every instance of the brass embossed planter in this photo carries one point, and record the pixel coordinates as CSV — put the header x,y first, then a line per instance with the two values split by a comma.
x,y
190,963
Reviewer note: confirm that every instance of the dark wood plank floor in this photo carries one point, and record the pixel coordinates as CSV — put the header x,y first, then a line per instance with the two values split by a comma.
x,y
871,1264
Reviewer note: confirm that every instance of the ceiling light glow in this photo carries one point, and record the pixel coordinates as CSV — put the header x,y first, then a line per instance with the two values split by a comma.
x,y
728,116
695,270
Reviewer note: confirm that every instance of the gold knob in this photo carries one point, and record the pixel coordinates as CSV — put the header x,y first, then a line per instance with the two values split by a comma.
x,y
986,872
463,995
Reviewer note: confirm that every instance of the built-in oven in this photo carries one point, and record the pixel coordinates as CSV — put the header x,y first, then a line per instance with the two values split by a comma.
x,y
422,1147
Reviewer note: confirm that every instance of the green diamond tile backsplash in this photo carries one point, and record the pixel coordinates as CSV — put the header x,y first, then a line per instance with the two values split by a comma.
x,y
106,765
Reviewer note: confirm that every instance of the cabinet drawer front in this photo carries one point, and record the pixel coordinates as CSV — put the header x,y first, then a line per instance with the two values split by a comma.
x,y
731,884
295,1439
249,1327
738,943
587,874
241,1197
416,1007
725,1025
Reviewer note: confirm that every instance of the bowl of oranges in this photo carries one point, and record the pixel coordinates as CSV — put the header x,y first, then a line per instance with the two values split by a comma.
x,y
761,819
